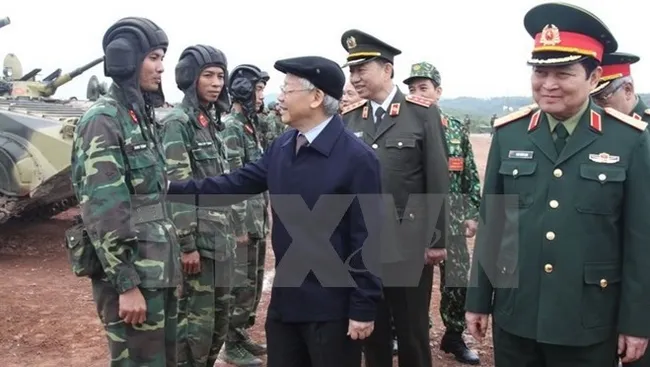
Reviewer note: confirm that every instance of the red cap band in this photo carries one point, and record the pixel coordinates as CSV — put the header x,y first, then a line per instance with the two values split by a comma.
x,y
552,39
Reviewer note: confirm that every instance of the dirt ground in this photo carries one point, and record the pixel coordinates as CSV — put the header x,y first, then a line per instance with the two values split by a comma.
x,y
48,317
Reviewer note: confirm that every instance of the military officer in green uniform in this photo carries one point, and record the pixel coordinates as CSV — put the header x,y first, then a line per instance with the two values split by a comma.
x,y
616,87
465,189
561,261
406,133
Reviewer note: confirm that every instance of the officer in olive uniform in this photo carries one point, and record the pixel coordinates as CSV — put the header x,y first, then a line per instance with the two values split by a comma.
x,y
565,256
616,87
406,133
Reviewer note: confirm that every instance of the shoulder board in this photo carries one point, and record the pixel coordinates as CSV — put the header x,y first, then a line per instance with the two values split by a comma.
x,y
531,106
647,111
354,106
522,112
637,124
424,102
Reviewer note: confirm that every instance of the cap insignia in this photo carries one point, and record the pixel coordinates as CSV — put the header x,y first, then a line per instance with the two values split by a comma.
x,y
550,35
351,42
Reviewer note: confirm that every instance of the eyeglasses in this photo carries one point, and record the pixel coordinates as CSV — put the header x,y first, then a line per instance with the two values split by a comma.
x,y
283,90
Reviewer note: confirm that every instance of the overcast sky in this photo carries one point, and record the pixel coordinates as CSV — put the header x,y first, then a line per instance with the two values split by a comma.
x,y
480,47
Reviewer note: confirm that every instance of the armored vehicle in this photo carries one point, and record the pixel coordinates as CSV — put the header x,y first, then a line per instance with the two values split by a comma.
x,y
35,142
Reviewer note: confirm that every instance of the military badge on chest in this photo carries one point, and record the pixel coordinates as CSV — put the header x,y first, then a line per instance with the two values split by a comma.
x,y
203,120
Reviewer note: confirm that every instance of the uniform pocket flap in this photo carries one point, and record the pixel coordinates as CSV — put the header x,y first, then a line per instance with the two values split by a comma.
x,y
201,154
511,168
400,143
602,173
602,274
140,158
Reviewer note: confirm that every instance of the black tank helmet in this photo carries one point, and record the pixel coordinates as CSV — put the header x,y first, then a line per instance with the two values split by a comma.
x,y
126,43
192,62
242,87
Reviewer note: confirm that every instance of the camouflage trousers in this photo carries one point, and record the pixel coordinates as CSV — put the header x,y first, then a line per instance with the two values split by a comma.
x,y
204,312
453,284
151,344
248,279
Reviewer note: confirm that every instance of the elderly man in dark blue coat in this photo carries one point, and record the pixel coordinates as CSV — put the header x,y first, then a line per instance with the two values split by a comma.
x,y
324,298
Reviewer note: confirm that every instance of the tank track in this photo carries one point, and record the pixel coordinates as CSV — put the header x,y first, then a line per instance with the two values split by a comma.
x,y
9,205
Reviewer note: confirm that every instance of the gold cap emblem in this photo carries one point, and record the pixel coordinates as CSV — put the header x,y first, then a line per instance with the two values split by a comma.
x,y
351,42
550,35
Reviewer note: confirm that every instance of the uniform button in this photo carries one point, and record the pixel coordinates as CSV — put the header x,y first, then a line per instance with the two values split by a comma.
x,y
400,144
603,283
411,216
550,236
375,146
557,172
554,204
515,172
602,177
548,268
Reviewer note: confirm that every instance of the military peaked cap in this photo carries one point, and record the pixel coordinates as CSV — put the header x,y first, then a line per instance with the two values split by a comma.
x,y
615,65
323,73
362,47
565,34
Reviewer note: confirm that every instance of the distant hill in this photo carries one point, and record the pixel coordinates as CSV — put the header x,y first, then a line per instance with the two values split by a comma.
x,y
479,110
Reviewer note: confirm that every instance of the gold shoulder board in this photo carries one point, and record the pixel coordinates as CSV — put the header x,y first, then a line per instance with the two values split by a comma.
x,y
354,106
522,112
424,102
637,124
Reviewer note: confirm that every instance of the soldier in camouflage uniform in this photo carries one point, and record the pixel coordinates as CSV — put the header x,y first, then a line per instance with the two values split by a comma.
x,y
118,172
424,81
272,125
194,149
243,145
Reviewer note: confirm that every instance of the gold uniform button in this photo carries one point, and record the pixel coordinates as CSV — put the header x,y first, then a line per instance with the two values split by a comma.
x,y
557,172
550,236
375,146
548,268
603,283
602,177
554,204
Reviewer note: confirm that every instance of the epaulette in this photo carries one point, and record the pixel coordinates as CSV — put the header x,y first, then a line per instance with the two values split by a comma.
x,y
424,102
637,124
531,106
647,111
522,112
354,106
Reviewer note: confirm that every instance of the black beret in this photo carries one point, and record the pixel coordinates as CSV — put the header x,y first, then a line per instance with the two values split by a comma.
x,y
323,73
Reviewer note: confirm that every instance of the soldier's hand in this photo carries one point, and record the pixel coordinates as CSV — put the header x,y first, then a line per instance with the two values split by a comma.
x,y
191,262
132,307
477,324
242,240
631,348
358,330
434,255
470,228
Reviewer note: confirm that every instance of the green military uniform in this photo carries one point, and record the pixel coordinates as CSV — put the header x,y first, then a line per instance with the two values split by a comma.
x,y
270,125
616,65
561,261
118,172
409,142
194,150
243,146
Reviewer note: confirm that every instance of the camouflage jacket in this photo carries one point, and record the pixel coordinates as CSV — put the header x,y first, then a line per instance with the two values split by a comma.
x,y
465,186
243,145
194,149
118,174
270,127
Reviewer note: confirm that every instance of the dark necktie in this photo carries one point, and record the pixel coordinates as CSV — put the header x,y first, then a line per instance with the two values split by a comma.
x,y
379,114
561,135
300,141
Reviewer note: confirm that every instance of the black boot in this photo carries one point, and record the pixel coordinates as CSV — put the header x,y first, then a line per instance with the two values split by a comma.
x,y
452,342
248,344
